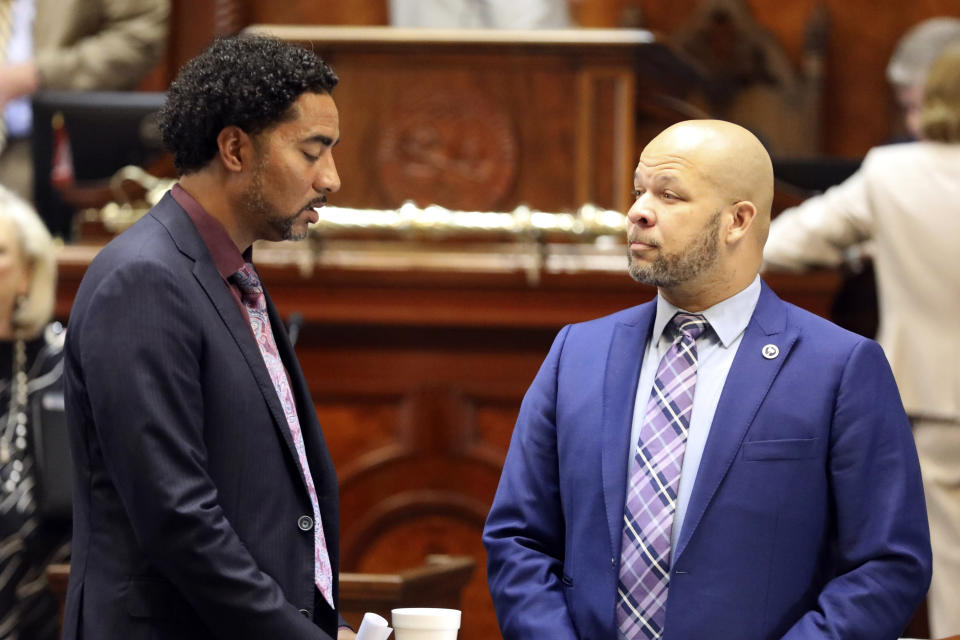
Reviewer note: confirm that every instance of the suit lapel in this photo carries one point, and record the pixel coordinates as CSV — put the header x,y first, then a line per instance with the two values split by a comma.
x,y
748,381
619,395
238,326
188,240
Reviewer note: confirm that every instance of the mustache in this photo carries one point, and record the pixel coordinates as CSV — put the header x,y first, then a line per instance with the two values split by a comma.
x,y
636,237
316,202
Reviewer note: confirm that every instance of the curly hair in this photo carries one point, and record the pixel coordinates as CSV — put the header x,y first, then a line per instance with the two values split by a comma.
x,y
246,81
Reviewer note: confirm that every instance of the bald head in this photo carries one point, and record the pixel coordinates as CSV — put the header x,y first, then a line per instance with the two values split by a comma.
x,y
728,156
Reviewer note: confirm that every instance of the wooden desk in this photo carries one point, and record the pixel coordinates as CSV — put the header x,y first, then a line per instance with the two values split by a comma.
x,y
417,360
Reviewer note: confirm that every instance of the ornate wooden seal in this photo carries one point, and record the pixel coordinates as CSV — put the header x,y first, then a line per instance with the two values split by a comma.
x,y
447,146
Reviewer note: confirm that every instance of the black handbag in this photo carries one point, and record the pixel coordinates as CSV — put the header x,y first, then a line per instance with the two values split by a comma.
x,y
51,449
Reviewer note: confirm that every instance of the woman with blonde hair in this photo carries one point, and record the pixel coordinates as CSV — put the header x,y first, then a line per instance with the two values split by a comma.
x,y
34,498
940,114
906,199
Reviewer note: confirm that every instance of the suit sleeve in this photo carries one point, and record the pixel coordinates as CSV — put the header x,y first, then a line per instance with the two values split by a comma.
x,y
882,540
129,40
817,232
524,532
139,353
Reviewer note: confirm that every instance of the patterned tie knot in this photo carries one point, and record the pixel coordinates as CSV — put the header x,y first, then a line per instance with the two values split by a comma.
x,y
249,283
688,324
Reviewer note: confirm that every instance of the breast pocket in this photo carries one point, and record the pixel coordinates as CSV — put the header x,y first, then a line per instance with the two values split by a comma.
x,y
790,449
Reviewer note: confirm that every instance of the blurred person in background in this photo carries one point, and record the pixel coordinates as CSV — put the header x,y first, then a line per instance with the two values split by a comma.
x,y
68,44
907,69
30,386
906,198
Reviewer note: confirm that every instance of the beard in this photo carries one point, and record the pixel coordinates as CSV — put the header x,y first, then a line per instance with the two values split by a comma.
x,y
670,270
279,225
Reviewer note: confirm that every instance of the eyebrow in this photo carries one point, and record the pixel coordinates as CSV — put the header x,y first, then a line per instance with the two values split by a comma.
x,y
326,141
660,179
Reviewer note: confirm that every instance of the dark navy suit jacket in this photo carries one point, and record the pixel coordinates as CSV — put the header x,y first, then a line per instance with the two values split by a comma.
x,y
188,494
807,516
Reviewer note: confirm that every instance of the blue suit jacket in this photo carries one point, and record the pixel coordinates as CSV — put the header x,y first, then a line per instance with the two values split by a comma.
x,y
807,517
188,493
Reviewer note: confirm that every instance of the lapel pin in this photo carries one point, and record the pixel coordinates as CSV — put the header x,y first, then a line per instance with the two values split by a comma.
x,y
770,351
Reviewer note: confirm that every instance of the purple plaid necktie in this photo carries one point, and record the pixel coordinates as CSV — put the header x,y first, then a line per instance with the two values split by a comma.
x,y
256,305
652,493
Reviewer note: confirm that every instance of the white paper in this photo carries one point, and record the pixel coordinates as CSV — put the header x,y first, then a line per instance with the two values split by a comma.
x,y
373,627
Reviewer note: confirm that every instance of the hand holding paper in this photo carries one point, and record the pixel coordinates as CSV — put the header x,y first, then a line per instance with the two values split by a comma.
x,y
373,627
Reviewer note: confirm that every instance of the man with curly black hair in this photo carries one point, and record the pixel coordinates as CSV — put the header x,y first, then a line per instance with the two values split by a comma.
x,y
206,502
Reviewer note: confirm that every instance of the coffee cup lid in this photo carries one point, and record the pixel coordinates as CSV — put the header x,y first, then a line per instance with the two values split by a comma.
x,y
426,618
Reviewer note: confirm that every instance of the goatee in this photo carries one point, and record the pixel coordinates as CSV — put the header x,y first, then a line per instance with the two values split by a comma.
x,y
670,270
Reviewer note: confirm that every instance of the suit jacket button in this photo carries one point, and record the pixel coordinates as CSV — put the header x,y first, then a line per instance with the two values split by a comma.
x,y
613,562
305,523
305,612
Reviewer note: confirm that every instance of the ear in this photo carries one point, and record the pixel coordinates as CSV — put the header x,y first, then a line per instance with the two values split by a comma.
x,y
742,215
235,148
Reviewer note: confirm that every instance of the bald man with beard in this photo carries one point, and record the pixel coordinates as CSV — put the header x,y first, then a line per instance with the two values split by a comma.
x,y
715,463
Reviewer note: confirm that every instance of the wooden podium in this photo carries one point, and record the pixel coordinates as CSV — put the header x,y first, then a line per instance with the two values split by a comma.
x,y
486,120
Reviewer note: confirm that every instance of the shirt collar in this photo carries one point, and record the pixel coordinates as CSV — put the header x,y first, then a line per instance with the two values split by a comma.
x,y
224,252
728,318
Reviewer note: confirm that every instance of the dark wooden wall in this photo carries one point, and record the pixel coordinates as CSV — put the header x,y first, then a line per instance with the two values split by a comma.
x,y
859,110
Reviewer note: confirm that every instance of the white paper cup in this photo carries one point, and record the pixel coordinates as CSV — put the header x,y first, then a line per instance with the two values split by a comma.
x,y
425,624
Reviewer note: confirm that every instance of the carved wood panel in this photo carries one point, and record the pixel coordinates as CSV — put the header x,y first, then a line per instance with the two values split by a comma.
x,y
447,143
359,12
419,444
487,123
